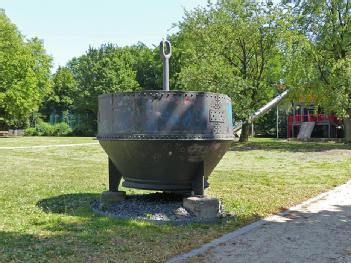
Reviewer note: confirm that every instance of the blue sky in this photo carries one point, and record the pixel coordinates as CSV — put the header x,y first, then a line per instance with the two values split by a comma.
x,y
68,27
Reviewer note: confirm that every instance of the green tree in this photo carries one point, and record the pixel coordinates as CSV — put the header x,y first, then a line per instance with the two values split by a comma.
x,y
232,48
147,65
24,74
64,91
326,67
103,70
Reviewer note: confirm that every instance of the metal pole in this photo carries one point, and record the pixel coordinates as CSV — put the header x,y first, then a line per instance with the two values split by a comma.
x,y
329,131
277,122
166,74
165,46
252,129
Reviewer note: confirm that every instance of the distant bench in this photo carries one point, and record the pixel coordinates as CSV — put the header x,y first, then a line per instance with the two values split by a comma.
x,y
4,133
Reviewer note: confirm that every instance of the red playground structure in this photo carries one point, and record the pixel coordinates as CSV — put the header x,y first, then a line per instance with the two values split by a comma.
x,y
307,122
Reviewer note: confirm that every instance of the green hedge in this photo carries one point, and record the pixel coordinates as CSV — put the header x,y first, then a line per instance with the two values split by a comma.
x,y
46,129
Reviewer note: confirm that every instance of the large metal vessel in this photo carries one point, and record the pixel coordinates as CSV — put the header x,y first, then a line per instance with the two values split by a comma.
x,y
164,140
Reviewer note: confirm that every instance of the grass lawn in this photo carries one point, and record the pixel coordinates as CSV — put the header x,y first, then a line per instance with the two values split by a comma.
x,y
34,141
45,196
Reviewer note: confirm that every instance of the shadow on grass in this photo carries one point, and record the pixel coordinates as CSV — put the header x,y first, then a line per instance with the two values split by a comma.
x,y
69,204
80,205
75,242
288,146
76,230
97,239
77,204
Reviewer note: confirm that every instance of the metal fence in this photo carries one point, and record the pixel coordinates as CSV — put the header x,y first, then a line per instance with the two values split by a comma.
x,y
72,119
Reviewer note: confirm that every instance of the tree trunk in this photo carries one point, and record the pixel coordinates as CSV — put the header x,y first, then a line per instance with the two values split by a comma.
x,y
347,128
245,130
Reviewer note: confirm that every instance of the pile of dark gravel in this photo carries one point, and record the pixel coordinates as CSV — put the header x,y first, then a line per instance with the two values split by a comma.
x,y
155,207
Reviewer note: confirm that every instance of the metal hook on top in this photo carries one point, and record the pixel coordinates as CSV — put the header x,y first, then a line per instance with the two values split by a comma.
x,y
165,46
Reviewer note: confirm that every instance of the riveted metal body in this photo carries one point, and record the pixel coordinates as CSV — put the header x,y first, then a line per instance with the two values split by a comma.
x,y
165,140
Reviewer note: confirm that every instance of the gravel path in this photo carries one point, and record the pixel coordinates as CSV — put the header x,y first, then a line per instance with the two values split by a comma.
x,y
154,207
318,230
47,146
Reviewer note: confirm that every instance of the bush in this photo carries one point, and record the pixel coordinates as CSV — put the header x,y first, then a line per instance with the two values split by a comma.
x,y
62,129
31,131
46,129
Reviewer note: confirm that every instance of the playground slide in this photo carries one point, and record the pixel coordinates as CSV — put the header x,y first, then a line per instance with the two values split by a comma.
x,y
306,130
269,105
263,110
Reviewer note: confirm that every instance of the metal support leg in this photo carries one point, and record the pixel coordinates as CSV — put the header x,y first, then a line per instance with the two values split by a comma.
x,y
198,183
114,177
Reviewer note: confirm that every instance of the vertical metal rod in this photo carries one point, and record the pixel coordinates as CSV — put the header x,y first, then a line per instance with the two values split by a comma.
x,y
165,46
329,132
166,74
277,122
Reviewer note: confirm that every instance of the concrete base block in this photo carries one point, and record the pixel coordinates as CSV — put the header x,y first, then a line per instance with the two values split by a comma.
x,y
110,198
203,207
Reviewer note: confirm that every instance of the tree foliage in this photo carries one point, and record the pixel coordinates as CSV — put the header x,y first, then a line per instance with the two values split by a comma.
x,y
147,65
102,70
24,74
231,48
63,93
327,26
